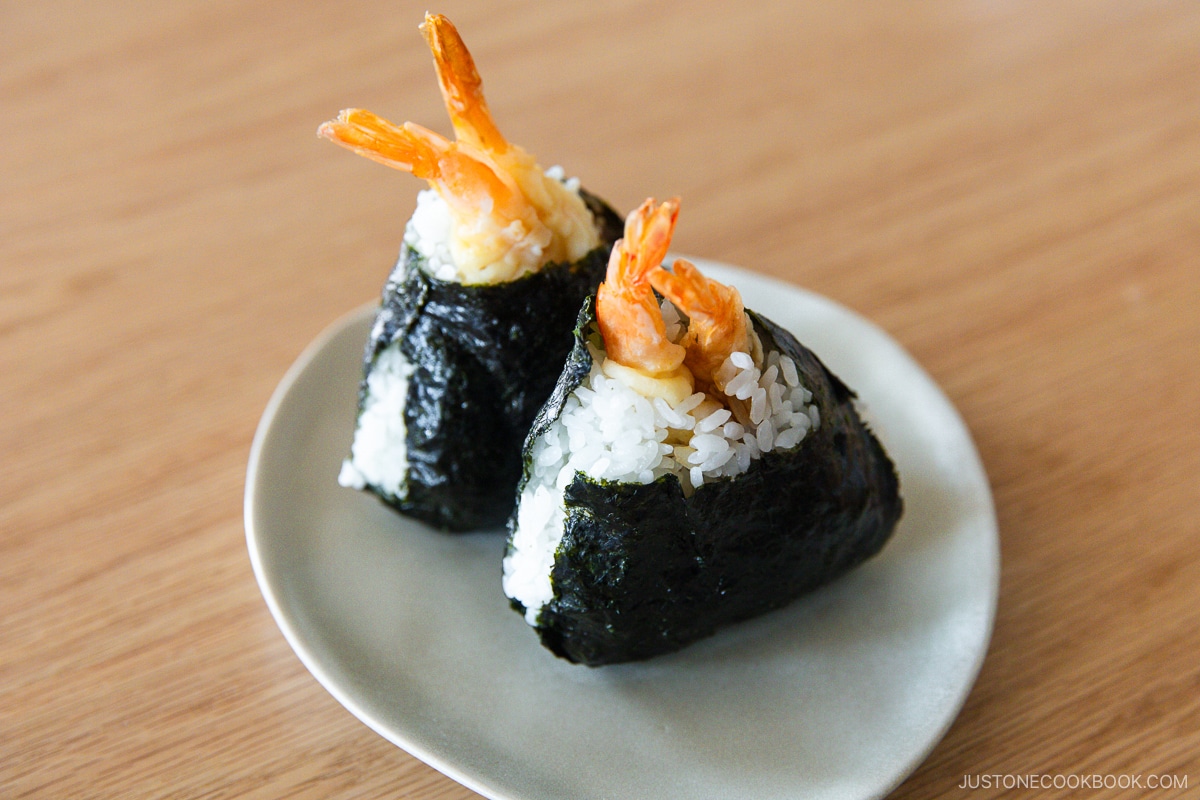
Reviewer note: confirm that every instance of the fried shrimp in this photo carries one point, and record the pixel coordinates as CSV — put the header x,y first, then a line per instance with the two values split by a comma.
x,y
509,216
717,326
638,350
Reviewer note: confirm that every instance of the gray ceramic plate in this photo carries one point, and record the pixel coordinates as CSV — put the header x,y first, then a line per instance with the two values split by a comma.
x,y
840,695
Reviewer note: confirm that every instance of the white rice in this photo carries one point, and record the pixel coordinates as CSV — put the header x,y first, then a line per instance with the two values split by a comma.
x,y
429,231
608,431
379,455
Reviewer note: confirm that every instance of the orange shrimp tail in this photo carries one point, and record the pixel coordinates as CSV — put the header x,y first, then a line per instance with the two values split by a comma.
x,y
463,181
410,147
696,295
653,236
648,232
462,88
628,314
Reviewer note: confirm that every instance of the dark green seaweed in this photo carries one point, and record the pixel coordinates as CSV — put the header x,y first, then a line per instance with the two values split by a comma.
x,y
485,359
643,570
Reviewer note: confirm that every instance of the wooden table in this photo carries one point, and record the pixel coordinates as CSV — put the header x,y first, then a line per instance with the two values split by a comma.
x,y
1012,190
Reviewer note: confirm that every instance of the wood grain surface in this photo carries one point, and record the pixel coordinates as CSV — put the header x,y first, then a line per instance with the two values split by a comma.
x,y
1011,189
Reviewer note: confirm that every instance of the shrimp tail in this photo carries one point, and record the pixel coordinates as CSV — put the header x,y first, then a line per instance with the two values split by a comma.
x,y
462,88
648,232
463,180
696,295
408,147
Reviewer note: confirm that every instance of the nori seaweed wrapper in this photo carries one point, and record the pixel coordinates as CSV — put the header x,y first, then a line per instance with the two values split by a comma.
x,y
643,570
485,358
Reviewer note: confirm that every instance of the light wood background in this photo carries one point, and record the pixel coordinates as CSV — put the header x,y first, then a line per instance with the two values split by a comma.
x,y
1011,189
